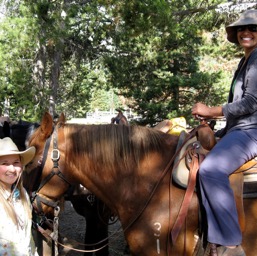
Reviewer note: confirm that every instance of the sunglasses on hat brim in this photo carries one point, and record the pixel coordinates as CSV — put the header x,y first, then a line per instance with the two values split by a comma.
x,y
251,28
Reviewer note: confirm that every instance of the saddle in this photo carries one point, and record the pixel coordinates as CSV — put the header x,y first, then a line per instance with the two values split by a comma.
x,y
243,181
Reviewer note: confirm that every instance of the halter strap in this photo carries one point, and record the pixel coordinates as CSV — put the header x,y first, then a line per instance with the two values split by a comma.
x,y
55,156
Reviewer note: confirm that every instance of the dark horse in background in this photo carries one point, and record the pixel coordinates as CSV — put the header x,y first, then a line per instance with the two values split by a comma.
x,y
84,202
130,169
17,131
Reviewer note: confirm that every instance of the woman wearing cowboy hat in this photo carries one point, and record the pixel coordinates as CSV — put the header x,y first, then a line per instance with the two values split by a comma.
x,y
238,143
15,209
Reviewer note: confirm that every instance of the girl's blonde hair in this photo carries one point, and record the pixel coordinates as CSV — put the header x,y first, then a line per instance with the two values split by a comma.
x,y
8,206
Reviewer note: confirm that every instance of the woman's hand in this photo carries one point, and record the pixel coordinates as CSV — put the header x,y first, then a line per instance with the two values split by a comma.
x,y
200,109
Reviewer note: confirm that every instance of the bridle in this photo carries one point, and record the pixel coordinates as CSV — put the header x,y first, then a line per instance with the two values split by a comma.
x,y
39,218
37,199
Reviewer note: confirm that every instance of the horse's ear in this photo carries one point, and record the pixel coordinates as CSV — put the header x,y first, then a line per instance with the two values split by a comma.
x,y
62,118
47,124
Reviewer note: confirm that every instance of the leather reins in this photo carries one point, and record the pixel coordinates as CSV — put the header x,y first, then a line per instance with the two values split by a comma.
x,y
175,230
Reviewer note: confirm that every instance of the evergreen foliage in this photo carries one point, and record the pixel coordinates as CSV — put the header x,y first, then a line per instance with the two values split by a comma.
x,y
77,56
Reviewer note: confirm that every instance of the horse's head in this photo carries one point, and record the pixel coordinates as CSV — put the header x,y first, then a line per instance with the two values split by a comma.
x,y
43,175
37,138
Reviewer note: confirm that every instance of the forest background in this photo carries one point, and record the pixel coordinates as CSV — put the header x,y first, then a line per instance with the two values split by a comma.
x,y
153,57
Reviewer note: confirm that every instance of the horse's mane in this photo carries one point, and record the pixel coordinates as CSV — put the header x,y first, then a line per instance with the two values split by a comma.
x,y
110,145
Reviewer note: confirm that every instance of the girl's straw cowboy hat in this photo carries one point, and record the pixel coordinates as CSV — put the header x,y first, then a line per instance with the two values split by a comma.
x,y
8,147
247,18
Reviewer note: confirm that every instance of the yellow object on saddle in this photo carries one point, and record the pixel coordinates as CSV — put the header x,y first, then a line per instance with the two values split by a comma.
x,y
178,125
173,126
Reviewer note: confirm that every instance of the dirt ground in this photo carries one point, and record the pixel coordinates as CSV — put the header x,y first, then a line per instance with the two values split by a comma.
x,y
72,228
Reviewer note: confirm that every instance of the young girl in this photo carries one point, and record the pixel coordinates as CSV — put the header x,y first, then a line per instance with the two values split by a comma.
x,y
15,209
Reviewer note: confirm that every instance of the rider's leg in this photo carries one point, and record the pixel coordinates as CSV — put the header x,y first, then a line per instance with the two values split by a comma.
x,y
232,151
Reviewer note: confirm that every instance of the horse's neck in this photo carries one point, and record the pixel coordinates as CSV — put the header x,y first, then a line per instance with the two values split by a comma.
x,y
126,194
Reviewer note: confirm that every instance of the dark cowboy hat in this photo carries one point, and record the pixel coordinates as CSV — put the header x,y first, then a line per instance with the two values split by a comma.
x,y
120,109
247,18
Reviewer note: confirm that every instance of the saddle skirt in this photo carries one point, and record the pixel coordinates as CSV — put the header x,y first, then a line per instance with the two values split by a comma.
x,y
180,171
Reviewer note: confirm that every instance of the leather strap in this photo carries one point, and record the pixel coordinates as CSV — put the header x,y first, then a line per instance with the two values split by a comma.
x,y
187,197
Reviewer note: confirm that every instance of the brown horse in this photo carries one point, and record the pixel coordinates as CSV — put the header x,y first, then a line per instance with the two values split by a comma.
x,y
129,168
